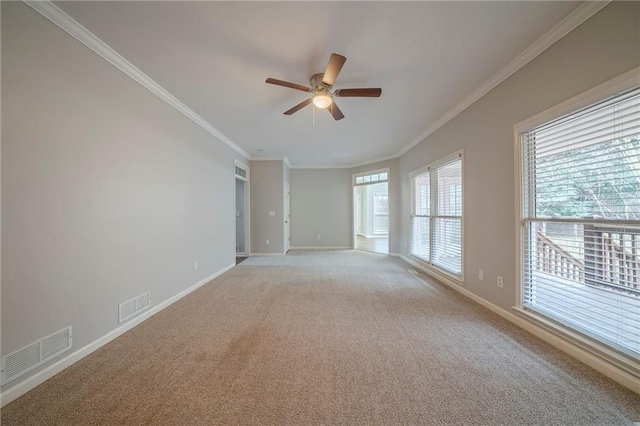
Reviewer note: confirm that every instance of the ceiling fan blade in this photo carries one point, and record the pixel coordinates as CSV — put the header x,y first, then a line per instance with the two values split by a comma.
x,y
333,69
358,93
287,84
298,107
335,111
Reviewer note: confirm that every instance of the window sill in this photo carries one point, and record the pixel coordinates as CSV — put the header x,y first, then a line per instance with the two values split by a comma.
x,y
438,272
610,356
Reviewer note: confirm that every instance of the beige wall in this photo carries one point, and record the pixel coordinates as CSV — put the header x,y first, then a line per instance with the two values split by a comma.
x,y
267,188
321,203
604,47
107,191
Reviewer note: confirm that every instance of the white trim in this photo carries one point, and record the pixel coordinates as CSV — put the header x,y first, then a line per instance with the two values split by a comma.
x,y
593,354
610,88
435,271
269,159
321,248
564,27
267,254
3,379
31,382
50,11
323,166
354,176
247,205
460,279
607,89
632,367
375,160
345,166
56,15
242,166
617,374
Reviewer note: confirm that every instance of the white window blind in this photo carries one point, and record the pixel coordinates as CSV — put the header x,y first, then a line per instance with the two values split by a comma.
x,y
420,216
436,217
447,220
581,221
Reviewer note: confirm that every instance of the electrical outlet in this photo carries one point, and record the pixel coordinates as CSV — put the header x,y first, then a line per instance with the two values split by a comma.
x,y
500,282
480,274
318,236
267,242
195,265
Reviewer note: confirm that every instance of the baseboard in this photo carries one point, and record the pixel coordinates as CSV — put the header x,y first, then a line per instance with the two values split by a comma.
x,y
31,382
321,248
569,347
266,254
432,272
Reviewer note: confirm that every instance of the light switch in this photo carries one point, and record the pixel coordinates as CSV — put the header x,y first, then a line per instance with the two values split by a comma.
x,y
272,213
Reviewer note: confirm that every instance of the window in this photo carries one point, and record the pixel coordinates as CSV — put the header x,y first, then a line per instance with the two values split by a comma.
x,y
380,213
436,215
241,171
580,249
370,177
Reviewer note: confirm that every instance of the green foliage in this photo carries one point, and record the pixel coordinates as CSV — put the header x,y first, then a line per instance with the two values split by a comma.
x,y
600,180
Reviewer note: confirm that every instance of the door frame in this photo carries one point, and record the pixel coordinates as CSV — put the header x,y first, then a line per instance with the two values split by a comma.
x,y
247,207
355,184
286,215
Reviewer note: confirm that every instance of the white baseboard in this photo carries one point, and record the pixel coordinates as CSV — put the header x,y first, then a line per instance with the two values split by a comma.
x,y
24,386
569,347
266,254
321,248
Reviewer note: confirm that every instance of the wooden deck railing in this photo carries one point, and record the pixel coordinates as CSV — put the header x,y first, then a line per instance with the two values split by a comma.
x,y
612,257
554,260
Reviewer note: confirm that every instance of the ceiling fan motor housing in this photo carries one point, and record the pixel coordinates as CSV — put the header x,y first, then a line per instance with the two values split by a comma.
x,y
316,82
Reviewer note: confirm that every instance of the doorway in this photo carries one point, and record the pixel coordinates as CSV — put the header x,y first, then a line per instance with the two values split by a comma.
x,y
371,212
242,210
287,217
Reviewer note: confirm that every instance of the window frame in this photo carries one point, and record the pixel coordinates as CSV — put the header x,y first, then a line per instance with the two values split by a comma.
x,y
601,93
458,279
369,174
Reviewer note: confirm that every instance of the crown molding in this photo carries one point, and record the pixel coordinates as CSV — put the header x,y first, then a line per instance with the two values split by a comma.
x,y
344,166
375,160
319,166
50,11
564,27
72,27
268,159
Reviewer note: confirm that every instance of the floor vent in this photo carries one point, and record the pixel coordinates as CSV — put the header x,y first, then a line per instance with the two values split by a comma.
x,y
132,306
31,356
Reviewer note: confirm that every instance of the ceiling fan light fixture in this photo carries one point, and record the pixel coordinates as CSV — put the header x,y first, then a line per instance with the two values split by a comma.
x,y
322,100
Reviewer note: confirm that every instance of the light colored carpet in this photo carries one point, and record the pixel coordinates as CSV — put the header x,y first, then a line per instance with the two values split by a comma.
x,y
341,337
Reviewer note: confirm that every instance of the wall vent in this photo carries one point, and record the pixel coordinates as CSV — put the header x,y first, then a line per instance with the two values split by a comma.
x,y
132,306
19,362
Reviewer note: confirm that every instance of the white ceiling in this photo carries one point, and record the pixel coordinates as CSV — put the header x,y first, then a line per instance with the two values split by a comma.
x,y
215,57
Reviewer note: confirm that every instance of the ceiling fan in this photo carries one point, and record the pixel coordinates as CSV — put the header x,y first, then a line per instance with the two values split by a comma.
x,y
321,88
